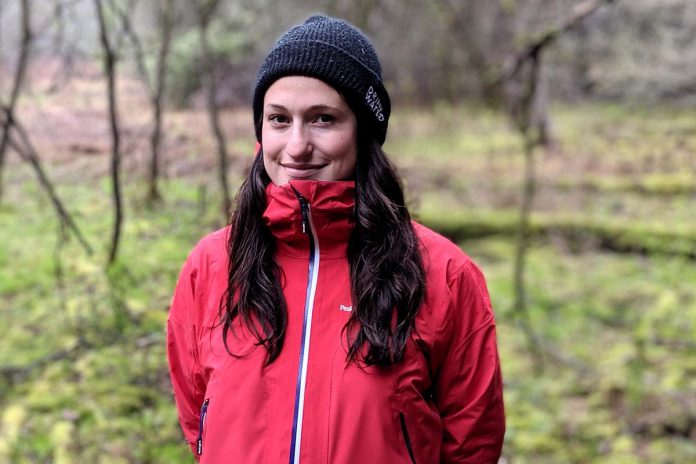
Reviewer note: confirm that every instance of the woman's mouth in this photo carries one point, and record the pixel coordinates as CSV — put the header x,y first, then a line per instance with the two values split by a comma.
x,y
302,171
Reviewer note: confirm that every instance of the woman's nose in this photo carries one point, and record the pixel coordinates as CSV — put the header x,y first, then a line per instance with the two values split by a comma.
x,y
299,143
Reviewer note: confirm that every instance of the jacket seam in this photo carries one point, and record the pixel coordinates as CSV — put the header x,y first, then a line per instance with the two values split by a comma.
x,y
487,323
490,318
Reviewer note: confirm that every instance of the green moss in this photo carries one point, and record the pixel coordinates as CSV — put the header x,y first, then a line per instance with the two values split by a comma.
x,y
92,341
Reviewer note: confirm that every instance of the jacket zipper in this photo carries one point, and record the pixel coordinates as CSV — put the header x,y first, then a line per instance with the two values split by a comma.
x,y
201,423
313,274
407,438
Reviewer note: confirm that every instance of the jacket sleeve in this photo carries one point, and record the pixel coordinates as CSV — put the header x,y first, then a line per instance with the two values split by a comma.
x,y
182,352
468,388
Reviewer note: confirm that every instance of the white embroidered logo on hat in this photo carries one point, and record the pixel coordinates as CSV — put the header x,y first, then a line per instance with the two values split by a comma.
x,y
375,104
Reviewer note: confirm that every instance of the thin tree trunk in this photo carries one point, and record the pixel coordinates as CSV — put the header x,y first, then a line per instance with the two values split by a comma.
x,y
110,69
166,18
521,303
214,112
27,152
16,86
526,111
527,200
529,112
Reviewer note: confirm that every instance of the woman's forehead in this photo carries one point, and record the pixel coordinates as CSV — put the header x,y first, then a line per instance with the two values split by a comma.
x,y
303,92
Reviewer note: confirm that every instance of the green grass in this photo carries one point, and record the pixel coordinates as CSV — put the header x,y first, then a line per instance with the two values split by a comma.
x,y
108,384
628,323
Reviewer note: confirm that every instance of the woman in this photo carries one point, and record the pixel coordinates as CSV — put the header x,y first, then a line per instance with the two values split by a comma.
x,y
322,325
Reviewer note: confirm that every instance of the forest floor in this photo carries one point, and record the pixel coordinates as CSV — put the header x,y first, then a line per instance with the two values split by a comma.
x,y
611,272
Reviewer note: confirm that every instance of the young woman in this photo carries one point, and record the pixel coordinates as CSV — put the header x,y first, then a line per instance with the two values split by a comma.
x,y
323,325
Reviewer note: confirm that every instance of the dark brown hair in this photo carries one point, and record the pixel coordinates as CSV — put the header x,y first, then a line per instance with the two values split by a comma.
x,y
386,269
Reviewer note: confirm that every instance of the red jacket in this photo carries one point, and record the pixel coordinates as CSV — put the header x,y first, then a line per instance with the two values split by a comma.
x,y
442,403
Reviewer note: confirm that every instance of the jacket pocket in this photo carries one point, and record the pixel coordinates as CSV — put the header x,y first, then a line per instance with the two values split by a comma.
x,y
201,426
407,438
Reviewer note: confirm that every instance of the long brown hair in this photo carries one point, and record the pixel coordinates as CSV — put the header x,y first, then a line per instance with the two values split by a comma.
x,y
386,269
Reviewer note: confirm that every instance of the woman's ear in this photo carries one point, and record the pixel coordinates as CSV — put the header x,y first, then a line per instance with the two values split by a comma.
x,y
257,148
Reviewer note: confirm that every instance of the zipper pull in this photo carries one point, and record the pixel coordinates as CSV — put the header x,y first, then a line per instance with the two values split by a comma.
x,y
199,442
304,206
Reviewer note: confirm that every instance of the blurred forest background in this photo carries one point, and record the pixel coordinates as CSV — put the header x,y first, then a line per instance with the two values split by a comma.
x,y
554,140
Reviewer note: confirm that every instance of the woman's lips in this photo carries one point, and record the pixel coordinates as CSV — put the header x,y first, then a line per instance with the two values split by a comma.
x,y
302,171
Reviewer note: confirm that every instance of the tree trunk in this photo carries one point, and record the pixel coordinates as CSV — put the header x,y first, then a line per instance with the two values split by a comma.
x,y
521,303
16,86
213,110
166,19
110,70
27,152
524,112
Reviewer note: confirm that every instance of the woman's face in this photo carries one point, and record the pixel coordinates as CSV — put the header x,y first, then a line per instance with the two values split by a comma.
x,y
308,132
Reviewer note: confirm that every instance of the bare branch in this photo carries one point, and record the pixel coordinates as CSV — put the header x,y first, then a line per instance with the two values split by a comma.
x,y
135,41
16,85
110,70
24,148
62,47
579,13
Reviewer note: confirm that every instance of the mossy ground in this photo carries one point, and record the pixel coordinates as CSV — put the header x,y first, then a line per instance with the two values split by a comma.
x,y
82,349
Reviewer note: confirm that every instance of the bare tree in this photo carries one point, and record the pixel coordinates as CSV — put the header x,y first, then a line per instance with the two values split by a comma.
x,y
25,149
109,57
166,24
527,105
16,85
205,9
525,114
156,87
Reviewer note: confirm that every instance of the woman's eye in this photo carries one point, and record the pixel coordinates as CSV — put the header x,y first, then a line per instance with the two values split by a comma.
x,y
325,119
278,119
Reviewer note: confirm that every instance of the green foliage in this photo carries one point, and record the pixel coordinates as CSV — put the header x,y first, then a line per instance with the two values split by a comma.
x,y
83,349
627,322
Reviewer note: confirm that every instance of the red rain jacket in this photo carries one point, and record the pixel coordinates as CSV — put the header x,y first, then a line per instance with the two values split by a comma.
x,y
442,403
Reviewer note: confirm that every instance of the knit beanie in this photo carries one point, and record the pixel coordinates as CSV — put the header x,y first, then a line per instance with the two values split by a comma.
x,y
337,53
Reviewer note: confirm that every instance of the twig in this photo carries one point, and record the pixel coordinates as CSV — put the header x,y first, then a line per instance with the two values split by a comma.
x,y
580,12
27,152
129,31
16,85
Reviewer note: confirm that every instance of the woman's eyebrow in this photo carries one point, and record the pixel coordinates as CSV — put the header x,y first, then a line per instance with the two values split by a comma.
x,y
275,106
320,107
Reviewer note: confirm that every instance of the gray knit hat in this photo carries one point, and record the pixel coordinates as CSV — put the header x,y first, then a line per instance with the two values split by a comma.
x,y
340,55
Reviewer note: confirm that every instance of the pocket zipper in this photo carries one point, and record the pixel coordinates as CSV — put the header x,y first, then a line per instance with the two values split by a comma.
x,y
407,439
201,423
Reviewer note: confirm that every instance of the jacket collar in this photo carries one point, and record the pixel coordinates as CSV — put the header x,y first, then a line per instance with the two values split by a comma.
x,y
331,207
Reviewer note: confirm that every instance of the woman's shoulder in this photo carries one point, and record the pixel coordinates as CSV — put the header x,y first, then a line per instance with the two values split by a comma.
x,y
457,295
213,241
210,249
440,253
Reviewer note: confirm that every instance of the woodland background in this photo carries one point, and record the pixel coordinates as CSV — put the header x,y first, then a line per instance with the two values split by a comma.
x,y
554,140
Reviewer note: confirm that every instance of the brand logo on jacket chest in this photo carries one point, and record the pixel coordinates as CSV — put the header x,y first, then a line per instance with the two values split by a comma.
x,y
345,308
